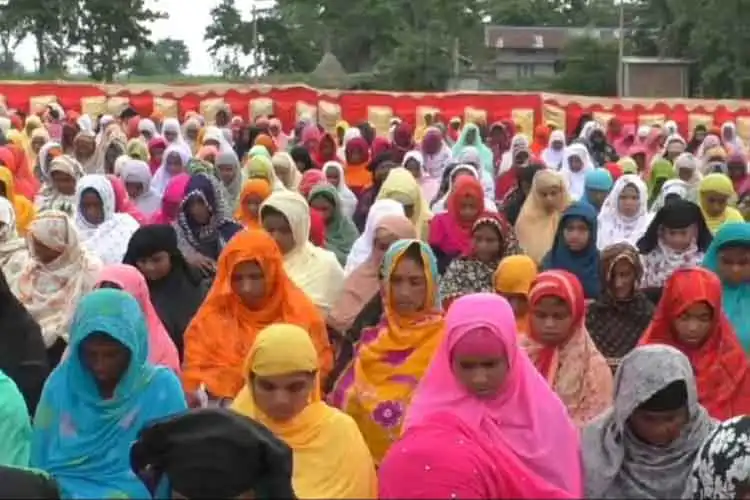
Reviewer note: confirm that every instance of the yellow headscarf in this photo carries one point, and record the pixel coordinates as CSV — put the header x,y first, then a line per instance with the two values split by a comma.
x,y
718,183
137,149
25,211
331,459
514,276
401,186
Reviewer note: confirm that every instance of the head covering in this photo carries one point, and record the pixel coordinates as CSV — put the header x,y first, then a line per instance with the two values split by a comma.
x,y
662,170
551,157
261,167
720,365
401,186
485,153
223,319
348,199
598,179
138,172
721,184
71,402
137,149
574,368
170,202
617,463
672,188
13,253
286,170
24,209
309,180
161,349
154,161
163,176
14,158
358,175
514,276
575,181
615,227
448,231
341,233
520,440
123,204
227,157
253,187
363,246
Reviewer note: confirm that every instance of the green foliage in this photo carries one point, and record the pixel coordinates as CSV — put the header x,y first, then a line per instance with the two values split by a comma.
x,y
590,68
166,57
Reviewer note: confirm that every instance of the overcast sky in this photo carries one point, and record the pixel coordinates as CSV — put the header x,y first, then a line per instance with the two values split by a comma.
x,y
187,22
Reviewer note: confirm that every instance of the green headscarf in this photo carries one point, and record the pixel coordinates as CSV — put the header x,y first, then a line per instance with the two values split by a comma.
x,y
662,170
341,233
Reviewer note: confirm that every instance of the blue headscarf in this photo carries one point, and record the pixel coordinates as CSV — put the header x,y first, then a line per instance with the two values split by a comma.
x,y
83,440
15,425
397,249
485,153
585,263
598,179
735,299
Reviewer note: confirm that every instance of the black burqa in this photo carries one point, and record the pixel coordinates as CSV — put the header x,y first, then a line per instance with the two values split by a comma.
x,y
23,356
178,295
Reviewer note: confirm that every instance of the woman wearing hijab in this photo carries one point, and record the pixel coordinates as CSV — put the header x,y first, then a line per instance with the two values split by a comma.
x,y
541,139
624,215
137,149
237,308
473,270
13,251
83,442
451,173
377,386
715,192
470,137
137,178
174,162
334,174
156,148
302,159
662,170
552,156
437,156
112,145
672,189
261,167
254,193
511,205
286,170
624,454
331,459
690,318
23,208
161,349
574,248
13,158
317,272
363,246
696,139
597,185
505,435
575,165
401,186
341,233
123,203
513,279
61,172
728,257
171,200
677,237
562,350
358,176
230,174
103,232
540,214
60,271
498,140
402,140
618,318
379,167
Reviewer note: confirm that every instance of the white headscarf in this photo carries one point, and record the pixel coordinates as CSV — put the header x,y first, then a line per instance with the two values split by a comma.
x,y
553,158
109,239
348,199
362,247
104,122
735,141
576,181
13,253
613,226
441,205
146,125
162,176
85,123
138,172
172,125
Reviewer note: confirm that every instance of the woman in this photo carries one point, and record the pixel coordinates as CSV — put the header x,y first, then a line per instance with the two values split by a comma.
x,y
156,148
451,174
103,232
562,350
729,257
13,251
250,292
597,183
513,202
260,167
472,271
661,171
137,149
15,425
286,170
574,248
302,159
437,156
690,318
512,280
672,189
401,186
483,423
161,349
331,459
171,200
553,155
109,148
254,193
363,246
624,215
176,289
470,137
715,192
309,180
60,271
645,444
24,209
230,174
540,214
341,233
677,237
123,203
618,318
379,168
335,176
137,178
94,404
14,159
174,162
377,386
204,224
575,165
285,215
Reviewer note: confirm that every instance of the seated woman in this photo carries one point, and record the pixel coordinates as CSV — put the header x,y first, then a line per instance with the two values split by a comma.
x,y
174,162
690,317
95,403
624,217
285,215
335,176
450,175
473,271
676,238
204,224
286,170
161,349
483,423
137,178
512,280
574,248
597,185
60,271
562,350
341,233
622,312
655,423
59,192
170,201
282,391
251,291
401,186
15,425
254,193
229,171
103,232
391,358
661,171
260,167
23,207
715,192
362,247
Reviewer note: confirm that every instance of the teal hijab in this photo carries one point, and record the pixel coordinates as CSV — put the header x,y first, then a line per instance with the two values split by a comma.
x,y
341,233
735,299
485,153
15,425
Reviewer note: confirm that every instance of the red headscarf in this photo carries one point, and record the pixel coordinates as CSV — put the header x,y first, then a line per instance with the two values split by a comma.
x,y
379,146
154,162
614,170
448,231
541,139
720,364
17,162
403,140
317,228
320,158
310,179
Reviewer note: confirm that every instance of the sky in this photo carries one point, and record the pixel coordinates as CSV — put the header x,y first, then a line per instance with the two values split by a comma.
x,y
185,23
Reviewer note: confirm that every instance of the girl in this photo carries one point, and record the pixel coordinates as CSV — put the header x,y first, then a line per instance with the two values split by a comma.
x,y
715,192
624,215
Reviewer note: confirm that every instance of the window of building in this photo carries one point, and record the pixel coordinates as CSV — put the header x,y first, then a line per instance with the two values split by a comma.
x,y
538,42
524,71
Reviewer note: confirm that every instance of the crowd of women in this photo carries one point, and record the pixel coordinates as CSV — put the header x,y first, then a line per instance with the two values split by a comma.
x,y
459,310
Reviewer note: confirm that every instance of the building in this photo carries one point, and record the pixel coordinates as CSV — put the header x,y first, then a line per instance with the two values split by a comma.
x,y
655,77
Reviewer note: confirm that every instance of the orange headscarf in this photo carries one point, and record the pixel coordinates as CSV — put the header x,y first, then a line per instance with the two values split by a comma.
x,y
720,364
541,140
223,330
14,158
267,142
258,187
514,276
358,176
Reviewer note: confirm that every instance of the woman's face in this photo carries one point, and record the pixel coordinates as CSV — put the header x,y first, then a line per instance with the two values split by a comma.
x,y
575,163
519,303
471,137
596,197
622,279
658,428
381,172
85,148
249,283
557,145
737,171
278,227
110,156
106,359
685,174
155,266
333,177
550,197
481,376
226,173
325,206
551,320
63,183
408,287
576,234
282,397
678,239
628,202
487,243
734,265
198,210
414,168
134,189
174,164
693,326
43,253
355,156
699,135
191,132
37,143
92,207
468,208
253,202
157,154
714,203
147,136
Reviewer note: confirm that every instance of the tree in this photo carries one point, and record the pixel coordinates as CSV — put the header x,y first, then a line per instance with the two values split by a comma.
x,y
13,29
590,68
166,57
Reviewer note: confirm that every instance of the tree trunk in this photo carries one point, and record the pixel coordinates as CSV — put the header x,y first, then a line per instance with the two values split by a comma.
x,y
40,51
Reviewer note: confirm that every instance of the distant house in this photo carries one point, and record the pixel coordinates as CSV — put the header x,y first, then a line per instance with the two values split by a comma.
x,y
534,52
655,77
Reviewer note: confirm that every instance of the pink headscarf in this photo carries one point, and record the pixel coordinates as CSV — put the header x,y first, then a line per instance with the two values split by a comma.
x,y
311,138
279,138
518,444
170,202
161,349
310,179
626,140
123,205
